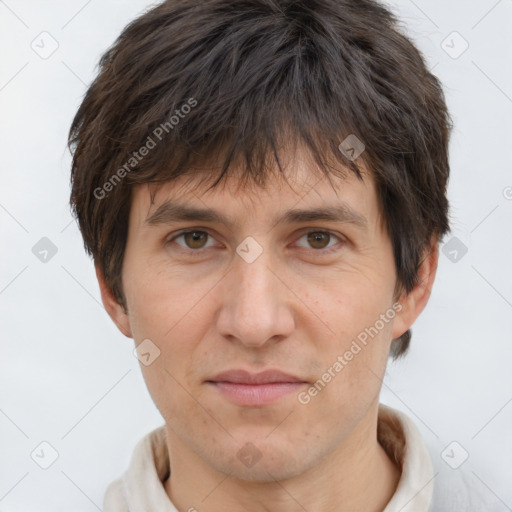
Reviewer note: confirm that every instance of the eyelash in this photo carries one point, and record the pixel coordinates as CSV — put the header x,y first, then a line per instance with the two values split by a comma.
x,y
198,252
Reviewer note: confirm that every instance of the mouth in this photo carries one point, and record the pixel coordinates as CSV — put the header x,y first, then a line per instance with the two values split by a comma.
x,y
255,389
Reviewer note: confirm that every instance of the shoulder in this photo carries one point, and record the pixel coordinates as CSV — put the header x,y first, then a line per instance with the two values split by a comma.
x,y
140,488
437,471
114,499
457,488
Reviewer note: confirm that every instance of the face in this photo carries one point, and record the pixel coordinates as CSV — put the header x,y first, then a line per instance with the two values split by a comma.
x,y
307,299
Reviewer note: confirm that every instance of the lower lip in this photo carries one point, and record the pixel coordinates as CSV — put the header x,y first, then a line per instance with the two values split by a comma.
x,y
256,394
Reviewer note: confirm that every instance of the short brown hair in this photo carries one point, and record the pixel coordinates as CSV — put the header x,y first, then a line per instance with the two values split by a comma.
x,y
257,74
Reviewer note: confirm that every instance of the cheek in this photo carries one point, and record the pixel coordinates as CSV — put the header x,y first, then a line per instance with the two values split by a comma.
x,y
174,310
354,307
355,352
167,310
162,299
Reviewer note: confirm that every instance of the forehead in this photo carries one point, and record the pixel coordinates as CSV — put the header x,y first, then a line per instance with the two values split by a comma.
x,y
301,185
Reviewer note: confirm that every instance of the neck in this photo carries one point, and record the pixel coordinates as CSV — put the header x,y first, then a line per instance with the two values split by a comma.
x,y
357,476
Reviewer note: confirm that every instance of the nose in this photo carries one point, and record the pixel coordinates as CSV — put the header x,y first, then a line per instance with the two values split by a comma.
x,y
256,303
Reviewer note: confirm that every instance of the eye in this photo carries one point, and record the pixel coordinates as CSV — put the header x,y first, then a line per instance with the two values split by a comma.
x,y
194,240
319,240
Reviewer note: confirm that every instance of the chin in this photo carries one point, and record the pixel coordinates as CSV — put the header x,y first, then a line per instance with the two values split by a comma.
x,y
263,461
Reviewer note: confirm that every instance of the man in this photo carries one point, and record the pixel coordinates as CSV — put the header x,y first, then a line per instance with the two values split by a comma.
x,y
262,185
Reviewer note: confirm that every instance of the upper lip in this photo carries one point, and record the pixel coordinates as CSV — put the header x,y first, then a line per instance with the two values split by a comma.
x,y
245,377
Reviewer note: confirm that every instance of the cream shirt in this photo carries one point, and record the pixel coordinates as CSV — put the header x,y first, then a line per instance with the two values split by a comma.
x,y
421,488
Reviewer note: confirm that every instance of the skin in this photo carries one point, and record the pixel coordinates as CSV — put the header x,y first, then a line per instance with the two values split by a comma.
x,y
296,308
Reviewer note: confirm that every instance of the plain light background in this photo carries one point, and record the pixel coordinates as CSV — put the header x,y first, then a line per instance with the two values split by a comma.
x,y
70,379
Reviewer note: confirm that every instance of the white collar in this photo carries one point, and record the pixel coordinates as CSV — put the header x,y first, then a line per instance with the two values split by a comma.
x,y
141,487
402,441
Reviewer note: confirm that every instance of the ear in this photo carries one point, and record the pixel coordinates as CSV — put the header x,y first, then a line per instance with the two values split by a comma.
x,y
415,301
115,310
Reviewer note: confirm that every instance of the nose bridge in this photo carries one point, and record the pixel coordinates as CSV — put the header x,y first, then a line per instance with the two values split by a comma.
x,y
253,307
254,283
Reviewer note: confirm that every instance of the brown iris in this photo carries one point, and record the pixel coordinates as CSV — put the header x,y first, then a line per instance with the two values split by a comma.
x,y
195,239
318,239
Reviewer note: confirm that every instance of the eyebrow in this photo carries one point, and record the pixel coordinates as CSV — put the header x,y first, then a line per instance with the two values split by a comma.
x,y
170,211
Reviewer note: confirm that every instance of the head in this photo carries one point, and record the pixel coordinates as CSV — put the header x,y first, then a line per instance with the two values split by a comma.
x,y
252,109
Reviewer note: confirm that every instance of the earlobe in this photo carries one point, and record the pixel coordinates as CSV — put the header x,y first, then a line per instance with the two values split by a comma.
x,y
115,310
415,301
